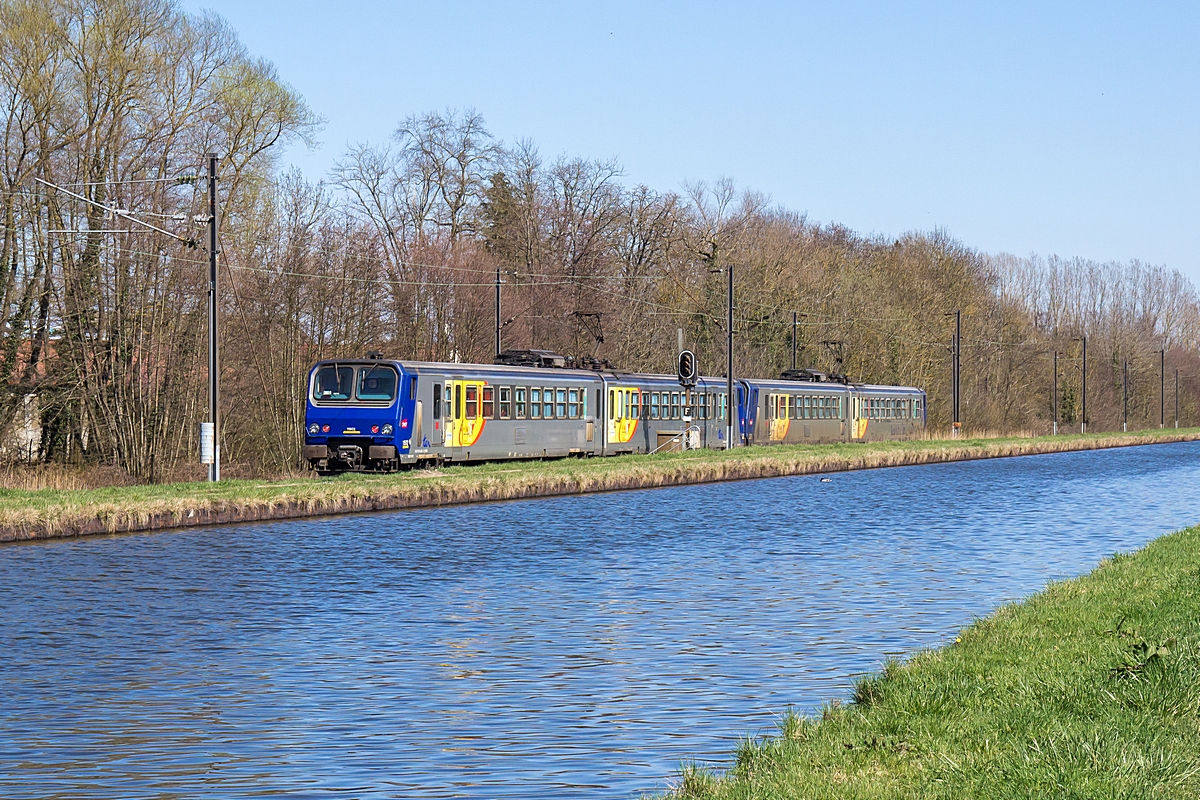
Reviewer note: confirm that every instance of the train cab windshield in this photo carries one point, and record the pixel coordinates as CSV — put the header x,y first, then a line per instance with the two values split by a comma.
x,y
335,383
377,383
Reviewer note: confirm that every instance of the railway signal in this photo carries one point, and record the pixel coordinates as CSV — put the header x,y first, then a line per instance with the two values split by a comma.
x,y
687,369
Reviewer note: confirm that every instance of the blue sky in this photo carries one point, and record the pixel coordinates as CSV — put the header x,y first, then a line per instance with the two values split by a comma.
x,y
1066,128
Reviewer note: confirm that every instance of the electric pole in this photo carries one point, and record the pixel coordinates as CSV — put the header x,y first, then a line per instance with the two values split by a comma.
x,y
214,393
794,315
955,371
1125,395
1083,418
729,403
1054,398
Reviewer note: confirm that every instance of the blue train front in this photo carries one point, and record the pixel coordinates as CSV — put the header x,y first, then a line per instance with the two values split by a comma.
x,y
358,415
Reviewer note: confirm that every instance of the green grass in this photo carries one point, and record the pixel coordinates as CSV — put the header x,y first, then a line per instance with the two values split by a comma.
x,y
55,512
1089,689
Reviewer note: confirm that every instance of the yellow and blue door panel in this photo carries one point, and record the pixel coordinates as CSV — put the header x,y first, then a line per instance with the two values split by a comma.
x,y
624,409
465,422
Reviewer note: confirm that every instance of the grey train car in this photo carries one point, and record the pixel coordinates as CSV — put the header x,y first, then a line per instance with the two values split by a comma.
x,y
371,414
811,412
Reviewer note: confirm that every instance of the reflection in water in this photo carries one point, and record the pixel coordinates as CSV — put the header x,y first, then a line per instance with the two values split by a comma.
x,y
578,646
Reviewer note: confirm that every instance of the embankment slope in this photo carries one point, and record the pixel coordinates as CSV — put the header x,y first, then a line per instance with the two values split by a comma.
x,y
62,513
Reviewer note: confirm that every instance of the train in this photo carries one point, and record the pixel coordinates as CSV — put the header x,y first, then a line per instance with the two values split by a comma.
x,y
377,415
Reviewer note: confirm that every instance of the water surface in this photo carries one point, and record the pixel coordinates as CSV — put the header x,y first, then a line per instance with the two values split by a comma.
x,y
575,646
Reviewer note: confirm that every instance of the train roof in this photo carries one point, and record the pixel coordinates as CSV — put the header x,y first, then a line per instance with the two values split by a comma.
x,y
615,375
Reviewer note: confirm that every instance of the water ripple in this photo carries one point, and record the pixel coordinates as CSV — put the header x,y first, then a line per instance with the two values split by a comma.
x,y
576,646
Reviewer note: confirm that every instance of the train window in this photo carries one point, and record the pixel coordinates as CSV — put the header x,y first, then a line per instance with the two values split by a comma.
x,y
583,402
437,401
916,409
612,404
449,402
472,402
377,383
573,403
458,402
412,387
654,405
489,405
825,408
674,405
722,403
548,403
560,406
535,403
635,409
505,402
519,401
333,383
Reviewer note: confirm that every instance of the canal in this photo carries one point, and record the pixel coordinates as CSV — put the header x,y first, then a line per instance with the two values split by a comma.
x,y
576,646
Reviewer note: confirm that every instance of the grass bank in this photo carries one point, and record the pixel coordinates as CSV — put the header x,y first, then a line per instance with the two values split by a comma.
x,y
50,513
1090,689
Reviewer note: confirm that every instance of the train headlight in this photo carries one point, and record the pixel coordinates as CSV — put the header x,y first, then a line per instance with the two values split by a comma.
x,y
314,428
388,429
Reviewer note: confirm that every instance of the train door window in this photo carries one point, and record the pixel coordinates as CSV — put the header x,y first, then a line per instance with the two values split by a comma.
x,y
535,403
548,404
612,404
458,401
635,409
573,403
560,405
489,402
505,402
583,403
722,405
437,401
472,402
412,387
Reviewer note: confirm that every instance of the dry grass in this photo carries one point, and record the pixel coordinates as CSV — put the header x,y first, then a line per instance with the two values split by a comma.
x,y
52,512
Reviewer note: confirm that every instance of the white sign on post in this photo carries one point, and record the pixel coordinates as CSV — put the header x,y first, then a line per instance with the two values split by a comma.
x,y
206,443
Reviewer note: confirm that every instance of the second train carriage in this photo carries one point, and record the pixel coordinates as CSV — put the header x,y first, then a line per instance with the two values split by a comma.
x,y
370,414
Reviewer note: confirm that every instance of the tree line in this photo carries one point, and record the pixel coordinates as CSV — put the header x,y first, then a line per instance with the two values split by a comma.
x,y
111,105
